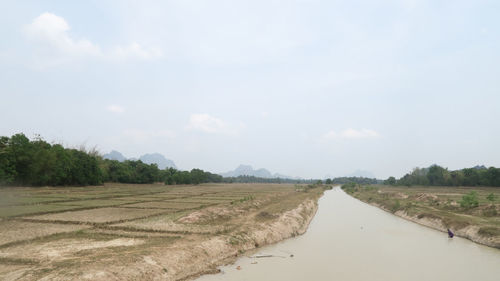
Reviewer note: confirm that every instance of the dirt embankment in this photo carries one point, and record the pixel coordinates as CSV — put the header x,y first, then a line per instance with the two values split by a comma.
x,y
204,258
471,232
195,255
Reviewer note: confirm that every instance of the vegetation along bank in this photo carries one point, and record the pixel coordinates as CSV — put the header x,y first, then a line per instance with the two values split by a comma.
x,y
470,212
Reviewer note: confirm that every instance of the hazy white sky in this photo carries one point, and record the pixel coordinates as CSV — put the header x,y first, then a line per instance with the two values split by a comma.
x,y
304,88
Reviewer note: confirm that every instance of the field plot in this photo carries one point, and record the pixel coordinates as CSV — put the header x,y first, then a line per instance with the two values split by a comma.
x,y
52,250
26,200
20,210
166,205
13,231
170,223
94,203
100,215
133,230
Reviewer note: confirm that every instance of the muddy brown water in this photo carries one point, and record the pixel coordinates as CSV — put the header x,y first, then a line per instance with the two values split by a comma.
x,y
351,240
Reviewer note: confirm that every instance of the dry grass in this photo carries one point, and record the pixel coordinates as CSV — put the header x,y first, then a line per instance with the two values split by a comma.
x,y
95,203
22,210
63,233
100,215
166,205
12,231
441,204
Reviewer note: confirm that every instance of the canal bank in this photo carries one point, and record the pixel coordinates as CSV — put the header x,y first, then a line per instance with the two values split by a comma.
x,y
351,240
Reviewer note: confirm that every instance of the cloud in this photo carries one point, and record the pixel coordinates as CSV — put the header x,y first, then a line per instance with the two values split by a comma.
x,y
115,108
209,124
351,134
358,134
330,135
52,33
140,135
136,50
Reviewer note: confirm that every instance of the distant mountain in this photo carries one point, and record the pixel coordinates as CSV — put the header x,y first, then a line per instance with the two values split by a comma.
x,y
153,158
328,176
247,170
158,159
361,173
479,167
114,155
281,176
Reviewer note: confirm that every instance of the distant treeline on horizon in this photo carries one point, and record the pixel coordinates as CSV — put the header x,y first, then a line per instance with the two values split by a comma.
x,y
436,175
39,163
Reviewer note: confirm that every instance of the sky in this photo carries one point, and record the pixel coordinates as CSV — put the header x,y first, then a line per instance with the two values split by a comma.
x,y
302,88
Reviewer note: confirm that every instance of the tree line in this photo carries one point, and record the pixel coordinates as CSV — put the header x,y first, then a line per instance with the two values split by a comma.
x,y
254,179
358,180
39,163
36,162
436,175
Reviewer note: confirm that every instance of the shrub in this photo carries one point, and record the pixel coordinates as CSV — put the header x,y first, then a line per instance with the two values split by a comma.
x,y
395,206
491,197
349,187
469,200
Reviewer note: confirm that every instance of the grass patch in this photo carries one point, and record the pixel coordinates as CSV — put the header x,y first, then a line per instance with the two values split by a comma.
x,y
489,231
263,216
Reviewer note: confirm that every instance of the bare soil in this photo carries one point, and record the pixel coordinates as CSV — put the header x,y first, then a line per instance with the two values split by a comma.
x,y
158,233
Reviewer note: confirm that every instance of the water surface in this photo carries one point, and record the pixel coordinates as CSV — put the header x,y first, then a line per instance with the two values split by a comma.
x,y
351,240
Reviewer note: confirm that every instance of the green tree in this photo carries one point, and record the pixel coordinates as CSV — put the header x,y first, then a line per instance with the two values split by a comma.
x,y
22,152
198,176
437,175
471,177
493,176
7,163
390,181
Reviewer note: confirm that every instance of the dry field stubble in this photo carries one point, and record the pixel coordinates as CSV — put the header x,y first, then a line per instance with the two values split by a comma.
x,y
99,215
121,231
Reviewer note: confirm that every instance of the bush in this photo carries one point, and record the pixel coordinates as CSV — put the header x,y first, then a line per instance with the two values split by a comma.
x,y
469,200
349,187
395,206
491,197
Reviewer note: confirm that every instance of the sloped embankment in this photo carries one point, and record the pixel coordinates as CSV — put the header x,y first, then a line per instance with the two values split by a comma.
x,y
438,208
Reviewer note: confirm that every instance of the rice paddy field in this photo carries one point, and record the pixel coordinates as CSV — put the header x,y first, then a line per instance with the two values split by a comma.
x,y
59,232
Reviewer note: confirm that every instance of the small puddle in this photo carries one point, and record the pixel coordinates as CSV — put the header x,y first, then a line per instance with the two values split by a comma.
x,y
351,240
